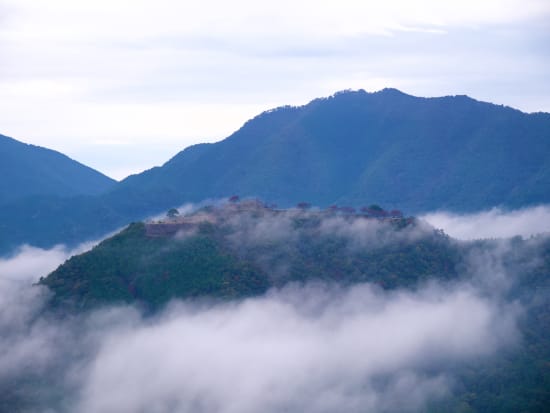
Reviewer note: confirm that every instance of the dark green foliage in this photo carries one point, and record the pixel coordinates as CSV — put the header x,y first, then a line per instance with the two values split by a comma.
x,y
172,213
131,267
223,260
28,170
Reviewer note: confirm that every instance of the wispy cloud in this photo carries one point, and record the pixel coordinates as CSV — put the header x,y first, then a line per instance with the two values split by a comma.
x,y
314,348
495,223
311,350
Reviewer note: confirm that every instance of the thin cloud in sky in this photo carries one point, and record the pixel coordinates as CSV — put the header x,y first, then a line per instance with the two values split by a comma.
x,y
124,19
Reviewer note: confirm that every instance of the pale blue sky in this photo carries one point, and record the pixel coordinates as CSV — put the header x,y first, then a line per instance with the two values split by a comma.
x,y
124,85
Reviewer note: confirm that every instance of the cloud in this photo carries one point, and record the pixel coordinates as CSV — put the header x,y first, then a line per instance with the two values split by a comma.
x,y
372,233
323,18
30,263
27,339
495,223
271,240
312,349
19,301
309,348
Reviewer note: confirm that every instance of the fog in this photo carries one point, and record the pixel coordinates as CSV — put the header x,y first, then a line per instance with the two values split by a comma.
x,y
313,349
264,237
28,341
494,223
303,348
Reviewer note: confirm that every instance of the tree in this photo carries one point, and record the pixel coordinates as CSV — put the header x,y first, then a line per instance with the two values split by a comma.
x,y
172,213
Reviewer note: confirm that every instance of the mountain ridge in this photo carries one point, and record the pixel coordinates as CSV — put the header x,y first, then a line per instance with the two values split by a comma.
x,y
31,170
353,148
288,116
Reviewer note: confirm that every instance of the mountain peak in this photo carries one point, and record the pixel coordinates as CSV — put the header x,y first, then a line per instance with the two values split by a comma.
x,y
391,91
386,93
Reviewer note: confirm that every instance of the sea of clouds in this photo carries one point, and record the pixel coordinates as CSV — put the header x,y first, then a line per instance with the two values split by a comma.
x,y
302,348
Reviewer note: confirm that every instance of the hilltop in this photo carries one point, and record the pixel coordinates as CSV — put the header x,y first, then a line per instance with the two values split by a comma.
x,y
244,248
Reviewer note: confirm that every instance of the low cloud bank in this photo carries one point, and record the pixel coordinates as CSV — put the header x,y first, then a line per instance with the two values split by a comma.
x,y
30,263
20,301
28,342
312,348
495,223
309,348
306,349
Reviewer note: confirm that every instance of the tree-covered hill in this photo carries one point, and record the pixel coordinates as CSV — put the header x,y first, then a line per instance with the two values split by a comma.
x,y
242,249
239,250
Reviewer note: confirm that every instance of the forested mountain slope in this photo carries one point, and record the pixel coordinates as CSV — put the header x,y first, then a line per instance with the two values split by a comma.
x,y
29,170
416,153
353,148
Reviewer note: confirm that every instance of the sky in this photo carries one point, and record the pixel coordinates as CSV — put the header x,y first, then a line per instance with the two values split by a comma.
x,y
124,85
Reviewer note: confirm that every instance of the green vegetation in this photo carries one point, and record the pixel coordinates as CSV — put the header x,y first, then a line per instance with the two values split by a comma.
x,y
233,257
242,249
133,267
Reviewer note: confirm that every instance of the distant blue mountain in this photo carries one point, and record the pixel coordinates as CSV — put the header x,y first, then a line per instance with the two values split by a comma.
x,y
354,148
28,170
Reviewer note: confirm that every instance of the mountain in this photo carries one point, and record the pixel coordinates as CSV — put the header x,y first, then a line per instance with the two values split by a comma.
x,y
29,170
413,153
226,252
353,148
243,249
